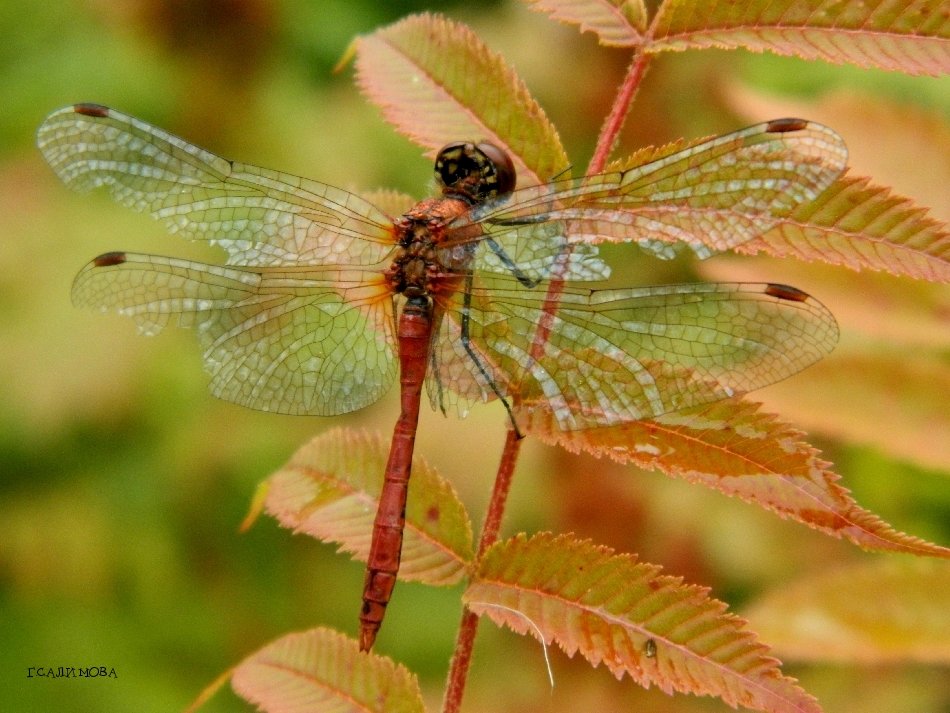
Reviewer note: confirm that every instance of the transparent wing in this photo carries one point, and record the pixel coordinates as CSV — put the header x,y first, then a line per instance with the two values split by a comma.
x,y
460,373
259,216
296,341
630,354
537,252
710,196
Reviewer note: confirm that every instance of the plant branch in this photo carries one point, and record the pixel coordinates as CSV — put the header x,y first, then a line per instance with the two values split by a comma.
x,y
461,660
618,113
468,626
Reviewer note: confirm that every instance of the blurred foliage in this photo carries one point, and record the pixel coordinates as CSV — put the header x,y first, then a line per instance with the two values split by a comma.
x,y
123,482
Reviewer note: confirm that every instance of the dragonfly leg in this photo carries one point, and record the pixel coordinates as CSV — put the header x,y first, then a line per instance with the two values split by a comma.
x,y
434,369
519,274
467,345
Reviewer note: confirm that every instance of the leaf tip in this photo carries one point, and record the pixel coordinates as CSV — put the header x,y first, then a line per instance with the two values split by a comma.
x,y
256,507
348,54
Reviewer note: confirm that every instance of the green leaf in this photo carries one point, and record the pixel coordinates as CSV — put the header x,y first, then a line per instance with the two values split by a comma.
x,y
911,37
618,23
437,82
732,447
330,490
635,620
322,670
256,507
887,611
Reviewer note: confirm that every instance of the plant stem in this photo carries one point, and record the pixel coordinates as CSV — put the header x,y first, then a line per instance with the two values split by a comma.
x,y
618,113
468,627
499,496
462,659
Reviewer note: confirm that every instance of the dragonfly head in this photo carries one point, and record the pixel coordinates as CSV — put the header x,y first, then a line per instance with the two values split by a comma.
x,y
475,172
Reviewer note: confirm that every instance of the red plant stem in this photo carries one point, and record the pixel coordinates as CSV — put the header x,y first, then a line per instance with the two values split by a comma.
x,y
499,496
468,627
461,660
618,113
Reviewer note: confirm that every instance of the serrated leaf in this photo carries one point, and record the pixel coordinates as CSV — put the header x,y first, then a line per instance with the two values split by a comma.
x,y
893,311
437,82
630,617
911,37
887,384
618,23
858,225
330,489
750,180
888,611
900,142
732,447
322,670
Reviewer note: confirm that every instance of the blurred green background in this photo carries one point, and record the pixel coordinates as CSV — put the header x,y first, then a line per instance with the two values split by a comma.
x,y
122,482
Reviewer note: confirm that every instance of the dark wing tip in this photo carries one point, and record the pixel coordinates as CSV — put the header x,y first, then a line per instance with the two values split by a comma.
x,y
87,109
109,259
781,126
786,292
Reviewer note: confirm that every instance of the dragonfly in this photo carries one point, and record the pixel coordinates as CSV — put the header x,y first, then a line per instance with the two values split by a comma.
x,y
323,298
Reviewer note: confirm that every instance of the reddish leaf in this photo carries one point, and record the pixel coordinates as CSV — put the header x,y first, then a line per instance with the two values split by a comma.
x,y
909,37
869,306
635,620
661,199
849,222
330,490
887,383
437,82
322,670
858,225
620,23
901,143
732,447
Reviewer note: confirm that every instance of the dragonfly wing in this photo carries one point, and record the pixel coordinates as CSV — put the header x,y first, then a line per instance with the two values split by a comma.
x,y
461,372
622,355
288,341
537,252
711,196
259,216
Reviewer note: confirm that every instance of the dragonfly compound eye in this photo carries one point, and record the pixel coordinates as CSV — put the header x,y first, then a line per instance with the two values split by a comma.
x,y
476,171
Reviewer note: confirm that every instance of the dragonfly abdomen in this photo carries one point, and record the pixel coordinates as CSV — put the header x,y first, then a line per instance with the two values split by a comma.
x,y
414,334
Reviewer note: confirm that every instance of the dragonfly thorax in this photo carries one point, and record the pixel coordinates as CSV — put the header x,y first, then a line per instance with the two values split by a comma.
x,y
468,174
419,262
